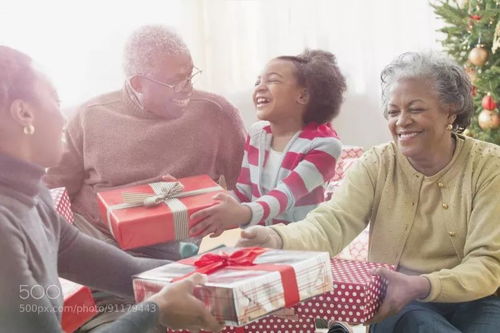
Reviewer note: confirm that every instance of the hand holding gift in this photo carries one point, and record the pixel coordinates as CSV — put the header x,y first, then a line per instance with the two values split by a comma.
x,y
179,308
401,290
227,214
260,236
168,178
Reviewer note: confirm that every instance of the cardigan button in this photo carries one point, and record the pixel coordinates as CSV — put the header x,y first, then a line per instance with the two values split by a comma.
x,y
452,233
440,185
445,206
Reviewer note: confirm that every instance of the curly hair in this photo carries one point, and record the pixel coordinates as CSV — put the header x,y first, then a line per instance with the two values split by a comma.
x,y
318,72
17,76
146,44
450,82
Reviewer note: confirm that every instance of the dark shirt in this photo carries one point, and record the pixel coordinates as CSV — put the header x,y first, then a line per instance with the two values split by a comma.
x,y
37,246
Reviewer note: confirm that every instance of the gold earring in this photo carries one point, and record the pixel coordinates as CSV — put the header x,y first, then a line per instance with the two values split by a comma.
x,y
449,127
29,129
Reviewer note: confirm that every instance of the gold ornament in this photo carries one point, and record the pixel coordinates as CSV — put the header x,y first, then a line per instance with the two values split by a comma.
x,y
478,55
488,120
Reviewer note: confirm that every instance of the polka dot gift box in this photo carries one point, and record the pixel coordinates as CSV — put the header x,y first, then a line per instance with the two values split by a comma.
x,y
348,157
62,203
356,294
271,324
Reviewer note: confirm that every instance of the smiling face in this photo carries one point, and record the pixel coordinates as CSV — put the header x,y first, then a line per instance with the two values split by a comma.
x,y
163,100
417,119
277,94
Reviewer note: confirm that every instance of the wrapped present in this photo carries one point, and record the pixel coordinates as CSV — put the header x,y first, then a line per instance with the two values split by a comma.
x,y
155,213
356,294
348,157
270,324
62,203
245,284
79,306
358,248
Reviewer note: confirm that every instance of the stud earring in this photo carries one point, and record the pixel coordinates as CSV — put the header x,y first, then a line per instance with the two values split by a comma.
x,y
29,130
449,127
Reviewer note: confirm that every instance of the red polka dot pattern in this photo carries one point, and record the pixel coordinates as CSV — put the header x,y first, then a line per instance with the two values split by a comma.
x,y
348,156
358,248
272,325
62,203
356,295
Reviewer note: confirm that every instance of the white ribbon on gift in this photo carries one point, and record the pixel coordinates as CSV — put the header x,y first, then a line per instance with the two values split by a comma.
x,y
167,193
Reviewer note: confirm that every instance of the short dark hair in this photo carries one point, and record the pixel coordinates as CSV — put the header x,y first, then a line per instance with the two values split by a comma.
x,y
17,76
318,72
449,78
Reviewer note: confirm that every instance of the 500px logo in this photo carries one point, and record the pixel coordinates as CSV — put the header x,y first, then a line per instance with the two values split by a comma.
x,y
37,291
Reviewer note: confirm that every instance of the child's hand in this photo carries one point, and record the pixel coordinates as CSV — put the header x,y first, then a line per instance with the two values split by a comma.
x,y
224,215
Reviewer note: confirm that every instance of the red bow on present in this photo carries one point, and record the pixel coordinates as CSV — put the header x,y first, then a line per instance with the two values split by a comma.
x,y
243,259
211,262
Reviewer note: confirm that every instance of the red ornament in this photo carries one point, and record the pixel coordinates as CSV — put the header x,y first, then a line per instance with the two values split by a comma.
x,y
475,17
488,102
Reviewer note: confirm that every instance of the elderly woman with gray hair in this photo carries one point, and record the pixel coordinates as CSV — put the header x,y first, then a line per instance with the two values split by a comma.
x,y
429,197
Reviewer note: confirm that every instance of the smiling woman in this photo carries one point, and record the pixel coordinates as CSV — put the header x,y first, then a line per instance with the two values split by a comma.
x,y
425,98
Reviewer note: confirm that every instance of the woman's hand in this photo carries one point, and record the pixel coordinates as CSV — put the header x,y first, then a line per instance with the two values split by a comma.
x,y
401,290
260,236
168,178
227,214
180,309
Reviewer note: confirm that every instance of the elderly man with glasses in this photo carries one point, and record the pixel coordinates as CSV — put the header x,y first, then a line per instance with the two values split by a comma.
x,y
156,125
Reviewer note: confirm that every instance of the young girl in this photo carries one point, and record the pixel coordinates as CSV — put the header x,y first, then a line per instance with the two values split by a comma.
x,y
290,155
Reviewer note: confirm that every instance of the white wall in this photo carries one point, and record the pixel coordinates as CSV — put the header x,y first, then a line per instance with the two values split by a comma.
x,y
80,42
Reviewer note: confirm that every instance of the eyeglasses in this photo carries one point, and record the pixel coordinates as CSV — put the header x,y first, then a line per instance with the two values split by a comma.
x,y
179,86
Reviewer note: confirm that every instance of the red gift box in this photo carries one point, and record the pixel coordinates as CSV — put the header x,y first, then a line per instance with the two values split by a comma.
x,y
134,224
62,203
245,284
79,305
356,294
358,248
270,324
348,156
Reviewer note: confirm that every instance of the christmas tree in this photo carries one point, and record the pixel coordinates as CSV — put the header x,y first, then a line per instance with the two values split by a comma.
x,y
472,38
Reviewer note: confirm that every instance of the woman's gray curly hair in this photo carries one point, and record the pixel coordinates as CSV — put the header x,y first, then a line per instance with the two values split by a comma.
x,y
146,44
450,81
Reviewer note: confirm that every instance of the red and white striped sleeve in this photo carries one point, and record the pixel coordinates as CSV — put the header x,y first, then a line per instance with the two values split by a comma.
x,y
308,171
243,188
